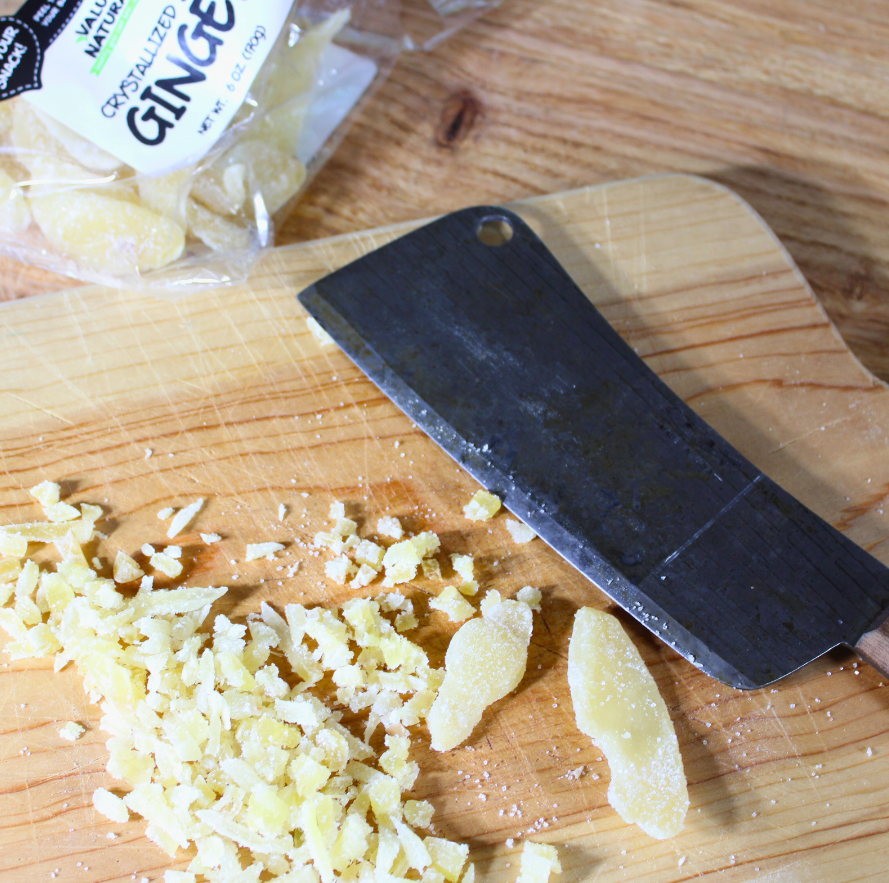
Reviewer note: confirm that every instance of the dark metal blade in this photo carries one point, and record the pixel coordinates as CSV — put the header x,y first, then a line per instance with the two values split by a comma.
x,y
501,358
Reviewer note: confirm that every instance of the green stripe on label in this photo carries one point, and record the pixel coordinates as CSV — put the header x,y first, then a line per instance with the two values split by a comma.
x,y
111,43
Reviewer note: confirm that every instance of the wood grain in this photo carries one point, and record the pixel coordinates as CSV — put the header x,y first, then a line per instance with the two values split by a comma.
x,y
140,404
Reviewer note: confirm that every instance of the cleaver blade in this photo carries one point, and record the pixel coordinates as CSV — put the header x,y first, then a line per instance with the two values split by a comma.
x,y
472,327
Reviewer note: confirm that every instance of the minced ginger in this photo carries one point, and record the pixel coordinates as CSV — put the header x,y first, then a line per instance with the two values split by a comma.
x,y
617,704
219,736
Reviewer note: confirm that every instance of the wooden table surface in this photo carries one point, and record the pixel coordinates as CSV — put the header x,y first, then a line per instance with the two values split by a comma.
x,y
786,103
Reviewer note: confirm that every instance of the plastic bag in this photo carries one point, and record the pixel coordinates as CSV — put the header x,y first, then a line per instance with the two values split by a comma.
x,y
71,205
91,202
428,22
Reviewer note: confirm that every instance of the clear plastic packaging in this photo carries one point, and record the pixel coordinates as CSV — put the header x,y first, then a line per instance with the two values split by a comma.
x,y
70,205
428,22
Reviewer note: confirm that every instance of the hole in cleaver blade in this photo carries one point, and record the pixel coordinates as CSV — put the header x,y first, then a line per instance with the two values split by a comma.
x,y
489,346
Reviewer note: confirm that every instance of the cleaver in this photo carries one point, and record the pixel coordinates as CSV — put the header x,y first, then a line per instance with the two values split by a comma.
x,y
473,328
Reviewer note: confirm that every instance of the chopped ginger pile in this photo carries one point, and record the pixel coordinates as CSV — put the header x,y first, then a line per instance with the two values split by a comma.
x,y
222,737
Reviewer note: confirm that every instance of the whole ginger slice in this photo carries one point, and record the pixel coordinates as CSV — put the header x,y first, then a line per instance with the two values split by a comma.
x,y
617,704
485,660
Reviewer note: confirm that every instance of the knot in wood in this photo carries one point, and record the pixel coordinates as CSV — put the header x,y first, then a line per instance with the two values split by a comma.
x,y
458,116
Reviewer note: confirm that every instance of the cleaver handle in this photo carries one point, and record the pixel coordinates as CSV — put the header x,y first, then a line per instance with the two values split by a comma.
x,y
873,646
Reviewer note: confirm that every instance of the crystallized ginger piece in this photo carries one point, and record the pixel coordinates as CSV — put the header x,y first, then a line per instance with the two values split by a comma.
x,y
221,187
110,805
530,596
390,526
106,233
217,232
46,493
183,518
318,332
16,546
166,564
72,731
519,531
40,152
262,550
617,704
367,552
485,660
61,512
364,577
167,194
451,602
448,858
125,568
276,174
340,569
401,561
539,861
482,507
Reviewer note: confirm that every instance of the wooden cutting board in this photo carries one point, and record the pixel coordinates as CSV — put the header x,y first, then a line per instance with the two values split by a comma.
x,y
138,403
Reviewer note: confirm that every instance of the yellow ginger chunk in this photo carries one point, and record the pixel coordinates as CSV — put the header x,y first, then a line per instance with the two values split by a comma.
x,y
222,188
463,566
46,493
390,526
530,596
447,858
367,552
61,512
10,568
183,518
539,861
401,561
13,545
519,531
352,842
110,805
72,731
106,233
426,543
418,813
318,332
617,704
340,569
125,568
482,507
431,568
451,602
218,233
167,194
364,577
80,149
262,550
485,660
276,174
166,564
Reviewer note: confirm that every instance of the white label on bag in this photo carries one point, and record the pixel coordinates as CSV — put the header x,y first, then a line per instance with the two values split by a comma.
x,y
156,83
